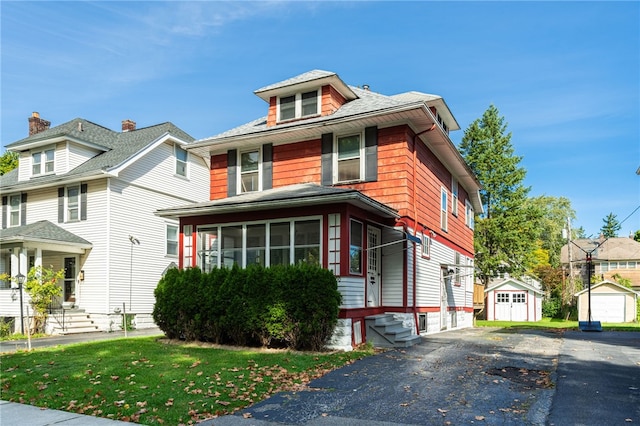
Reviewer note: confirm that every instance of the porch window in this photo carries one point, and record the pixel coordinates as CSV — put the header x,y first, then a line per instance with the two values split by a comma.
x,y
355,248
42,162
250,171
263,243
348,158
181,160
172,240
443,209
14,210
187,246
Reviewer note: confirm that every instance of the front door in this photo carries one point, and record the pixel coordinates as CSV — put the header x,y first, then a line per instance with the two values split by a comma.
x,y
373,266
69,279
444,297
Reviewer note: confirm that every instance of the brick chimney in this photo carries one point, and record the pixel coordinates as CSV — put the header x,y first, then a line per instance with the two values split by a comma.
x,y
128,125
37,124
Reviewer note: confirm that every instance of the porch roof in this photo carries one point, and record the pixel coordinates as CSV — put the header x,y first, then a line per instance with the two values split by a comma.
x,y
42,232
299,195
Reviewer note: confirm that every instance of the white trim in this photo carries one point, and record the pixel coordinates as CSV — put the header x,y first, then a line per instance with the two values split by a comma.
x,y
239,189
361,157
297,105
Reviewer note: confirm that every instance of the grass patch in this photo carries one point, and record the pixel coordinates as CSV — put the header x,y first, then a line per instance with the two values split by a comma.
x,y
145,380
555,323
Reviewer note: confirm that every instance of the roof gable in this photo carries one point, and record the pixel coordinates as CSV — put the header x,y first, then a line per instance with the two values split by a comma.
x,y
516,283
609,283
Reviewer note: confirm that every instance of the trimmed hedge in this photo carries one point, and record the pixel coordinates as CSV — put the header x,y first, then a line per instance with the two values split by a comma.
x,y
285,306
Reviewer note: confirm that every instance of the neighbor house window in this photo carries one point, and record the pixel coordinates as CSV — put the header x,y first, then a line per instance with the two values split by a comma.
x,y
426,246
348,158
172,240
298,105
42,162
250,171
181,161
14,210
443,209
73,203
355,248
454,197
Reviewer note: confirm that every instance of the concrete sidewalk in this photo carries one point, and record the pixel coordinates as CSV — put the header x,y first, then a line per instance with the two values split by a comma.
x,y
12,413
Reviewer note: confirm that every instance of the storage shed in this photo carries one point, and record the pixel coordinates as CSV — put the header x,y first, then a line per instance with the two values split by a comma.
x,y
610,302
513,300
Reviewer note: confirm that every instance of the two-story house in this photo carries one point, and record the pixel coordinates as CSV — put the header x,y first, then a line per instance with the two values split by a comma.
x,y
83,199
367,185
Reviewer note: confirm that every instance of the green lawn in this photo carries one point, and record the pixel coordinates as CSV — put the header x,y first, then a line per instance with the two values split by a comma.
x,y
556,323
145,380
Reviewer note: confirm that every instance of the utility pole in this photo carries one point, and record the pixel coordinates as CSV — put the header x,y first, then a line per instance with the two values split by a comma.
x,y
571,281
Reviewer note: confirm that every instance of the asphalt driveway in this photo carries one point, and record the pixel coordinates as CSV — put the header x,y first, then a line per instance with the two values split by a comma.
x,y
475,376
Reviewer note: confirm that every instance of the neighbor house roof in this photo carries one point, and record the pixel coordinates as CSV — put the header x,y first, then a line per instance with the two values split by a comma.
x,y
44,232
117,147
611,249
299,195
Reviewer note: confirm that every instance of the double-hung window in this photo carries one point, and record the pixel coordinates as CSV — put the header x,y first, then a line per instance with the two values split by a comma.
x,y
14,210
349,158
454,196
181,160
250,171
443,209
469,215
172,240
426,246
73,203
42,162
298,105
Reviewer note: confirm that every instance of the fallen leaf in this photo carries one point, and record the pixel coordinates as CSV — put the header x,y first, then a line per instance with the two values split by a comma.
x,y
479,417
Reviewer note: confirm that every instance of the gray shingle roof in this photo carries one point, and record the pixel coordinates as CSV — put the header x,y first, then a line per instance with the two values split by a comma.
x,y
118,146
304,194
307,76
42,231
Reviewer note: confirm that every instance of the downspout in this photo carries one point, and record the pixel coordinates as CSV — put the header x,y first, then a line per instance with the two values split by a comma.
x,y
415,224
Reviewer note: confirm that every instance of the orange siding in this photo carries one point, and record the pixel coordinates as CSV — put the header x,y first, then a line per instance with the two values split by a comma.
x,y
297,163
331,100
218,177
271,116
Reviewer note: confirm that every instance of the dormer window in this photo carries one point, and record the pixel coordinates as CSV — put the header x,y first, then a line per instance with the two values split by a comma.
x,y
298,106
42,162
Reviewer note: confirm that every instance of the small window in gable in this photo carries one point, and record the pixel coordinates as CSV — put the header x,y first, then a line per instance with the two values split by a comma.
x,y
250,171
181,160
42,162
443,209
298,105
348,158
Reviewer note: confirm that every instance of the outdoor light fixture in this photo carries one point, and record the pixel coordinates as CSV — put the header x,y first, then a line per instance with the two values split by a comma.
x,y
81,276
20,278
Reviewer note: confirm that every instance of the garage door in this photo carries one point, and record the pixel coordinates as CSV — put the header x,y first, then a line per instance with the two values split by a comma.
x,y
607,307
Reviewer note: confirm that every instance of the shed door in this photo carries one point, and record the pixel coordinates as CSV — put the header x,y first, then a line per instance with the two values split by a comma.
x,y
511,306
607,307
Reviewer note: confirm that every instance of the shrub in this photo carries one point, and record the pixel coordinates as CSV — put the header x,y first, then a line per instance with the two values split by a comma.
x,y
292,306
552,308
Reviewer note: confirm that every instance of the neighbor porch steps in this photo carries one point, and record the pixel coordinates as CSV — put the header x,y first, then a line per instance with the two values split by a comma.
x,y
75,321
386,332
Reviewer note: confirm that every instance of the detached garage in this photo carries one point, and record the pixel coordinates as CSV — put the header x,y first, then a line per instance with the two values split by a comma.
x,y
610,302
513,300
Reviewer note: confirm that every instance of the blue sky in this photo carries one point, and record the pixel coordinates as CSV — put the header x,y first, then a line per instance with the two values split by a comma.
x,y
565,75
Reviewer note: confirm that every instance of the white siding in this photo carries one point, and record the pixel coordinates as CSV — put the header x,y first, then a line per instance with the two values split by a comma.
x,y
392,268
352,290
78,154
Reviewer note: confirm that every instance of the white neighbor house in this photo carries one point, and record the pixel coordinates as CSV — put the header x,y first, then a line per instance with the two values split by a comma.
x,y
83,199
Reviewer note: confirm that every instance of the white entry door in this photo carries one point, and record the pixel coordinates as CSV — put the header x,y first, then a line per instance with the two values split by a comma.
x,y
511,306
373,266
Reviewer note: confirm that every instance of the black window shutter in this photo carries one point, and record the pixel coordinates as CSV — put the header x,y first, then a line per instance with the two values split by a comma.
x,y
267,166
5,202
60,205
83,201
327,159
371,154
23,208
232,161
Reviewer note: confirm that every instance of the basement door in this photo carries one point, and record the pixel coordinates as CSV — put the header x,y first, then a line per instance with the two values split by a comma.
x,y
373,266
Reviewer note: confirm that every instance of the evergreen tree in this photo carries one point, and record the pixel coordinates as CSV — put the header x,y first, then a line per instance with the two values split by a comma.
x,y
507,231
611,226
